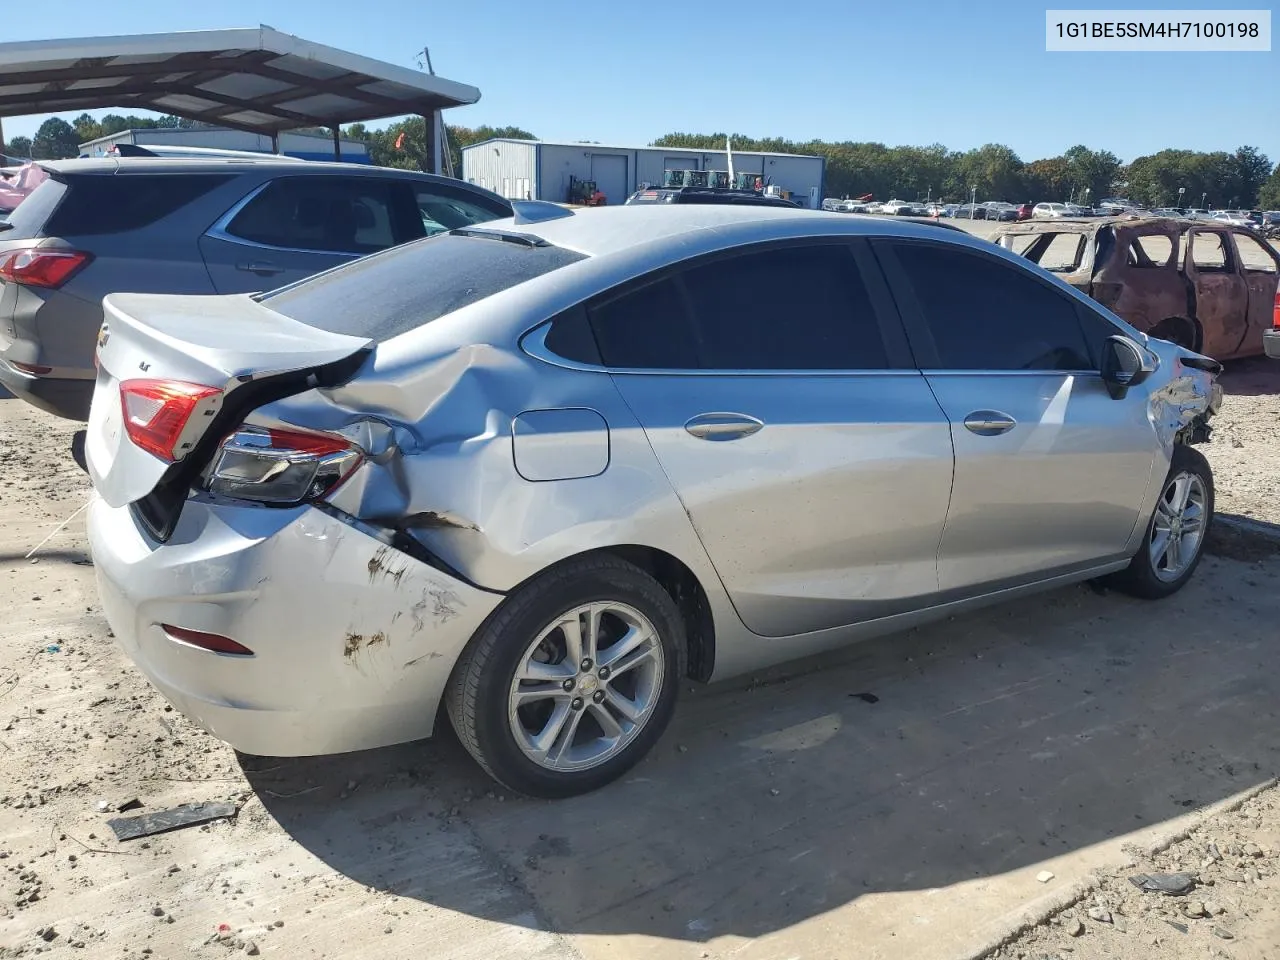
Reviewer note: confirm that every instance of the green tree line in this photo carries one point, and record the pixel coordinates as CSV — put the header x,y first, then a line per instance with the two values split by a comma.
x,y
57,139
994,171
1243,178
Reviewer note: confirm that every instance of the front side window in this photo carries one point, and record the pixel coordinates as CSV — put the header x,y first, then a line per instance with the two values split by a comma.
x,y
323,214
1254,258
988,315
1209,252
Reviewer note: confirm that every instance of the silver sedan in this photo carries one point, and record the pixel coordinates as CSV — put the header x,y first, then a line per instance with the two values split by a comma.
x,y
544,471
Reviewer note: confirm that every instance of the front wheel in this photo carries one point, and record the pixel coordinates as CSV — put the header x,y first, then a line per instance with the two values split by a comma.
x,y
572,681
1174,542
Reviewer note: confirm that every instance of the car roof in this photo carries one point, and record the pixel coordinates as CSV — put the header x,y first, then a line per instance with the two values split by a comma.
x,y
601,231
111,165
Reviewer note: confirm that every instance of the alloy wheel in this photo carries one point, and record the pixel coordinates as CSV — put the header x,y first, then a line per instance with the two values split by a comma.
x,y
586,686
1177,529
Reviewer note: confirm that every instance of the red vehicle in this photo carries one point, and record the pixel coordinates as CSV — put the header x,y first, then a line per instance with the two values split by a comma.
x,y
1024,211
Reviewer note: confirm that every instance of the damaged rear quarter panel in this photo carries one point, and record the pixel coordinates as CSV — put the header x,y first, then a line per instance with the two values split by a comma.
x,y
450,475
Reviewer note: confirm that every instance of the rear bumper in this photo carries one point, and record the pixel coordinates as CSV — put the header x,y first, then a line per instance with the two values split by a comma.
x,y
1271,343
353,641
63,397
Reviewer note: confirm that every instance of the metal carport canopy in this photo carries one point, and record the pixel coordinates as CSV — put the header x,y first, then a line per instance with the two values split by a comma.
x,y
256,79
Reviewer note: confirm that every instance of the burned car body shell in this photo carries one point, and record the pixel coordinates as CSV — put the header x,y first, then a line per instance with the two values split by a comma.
x,y
1144,271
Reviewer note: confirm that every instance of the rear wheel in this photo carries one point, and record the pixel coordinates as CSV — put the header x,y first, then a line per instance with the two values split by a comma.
x,y
1175,537
572,681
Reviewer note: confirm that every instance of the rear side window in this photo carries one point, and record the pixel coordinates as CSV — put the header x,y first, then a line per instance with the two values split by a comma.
x,y
648,328
782,308
324,214
389,294
443,210
986,315
98,204
1058,252
789,308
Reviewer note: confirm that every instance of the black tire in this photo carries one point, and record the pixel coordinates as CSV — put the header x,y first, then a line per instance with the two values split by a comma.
x,y
1140,578
478,691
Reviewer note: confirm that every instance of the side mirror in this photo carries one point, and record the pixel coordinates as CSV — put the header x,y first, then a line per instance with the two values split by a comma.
x,y
1125,364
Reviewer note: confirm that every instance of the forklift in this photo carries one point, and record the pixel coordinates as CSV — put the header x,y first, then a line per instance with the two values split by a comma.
x,y
584,193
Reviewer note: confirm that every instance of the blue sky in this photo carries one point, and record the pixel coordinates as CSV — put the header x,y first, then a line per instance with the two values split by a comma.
x,y
911,72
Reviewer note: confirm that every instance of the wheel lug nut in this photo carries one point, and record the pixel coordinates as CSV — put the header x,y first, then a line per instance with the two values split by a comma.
x,y
577,703
598,696
586,664
568,685
604,673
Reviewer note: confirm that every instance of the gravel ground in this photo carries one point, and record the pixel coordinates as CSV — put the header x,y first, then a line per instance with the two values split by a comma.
x,y
1245,451
1230,907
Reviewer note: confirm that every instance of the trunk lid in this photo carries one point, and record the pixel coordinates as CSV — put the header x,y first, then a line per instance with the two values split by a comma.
x,y
244,351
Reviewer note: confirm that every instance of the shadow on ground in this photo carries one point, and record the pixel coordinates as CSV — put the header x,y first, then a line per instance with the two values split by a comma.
x,y
1255,377
77,557
987,743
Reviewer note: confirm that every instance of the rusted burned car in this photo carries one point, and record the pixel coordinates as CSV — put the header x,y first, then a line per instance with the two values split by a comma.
x,y
1210,287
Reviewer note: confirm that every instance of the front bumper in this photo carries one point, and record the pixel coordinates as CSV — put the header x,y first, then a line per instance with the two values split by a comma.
x,y
1271,343
61,396
353,640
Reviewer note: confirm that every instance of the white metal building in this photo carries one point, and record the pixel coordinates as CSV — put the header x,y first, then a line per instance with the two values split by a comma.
x,y
304,146
537,170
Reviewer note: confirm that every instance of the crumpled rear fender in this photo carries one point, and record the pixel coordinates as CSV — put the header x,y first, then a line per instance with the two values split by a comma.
x,y
443,464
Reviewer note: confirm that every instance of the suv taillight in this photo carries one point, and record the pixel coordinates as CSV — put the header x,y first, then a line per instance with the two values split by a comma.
x,y
282,467
38,267
1275,315
156,414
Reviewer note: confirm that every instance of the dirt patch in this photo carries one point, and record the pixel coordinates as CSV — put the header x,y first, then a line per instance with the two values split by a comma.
x,y
1231,908
1245,450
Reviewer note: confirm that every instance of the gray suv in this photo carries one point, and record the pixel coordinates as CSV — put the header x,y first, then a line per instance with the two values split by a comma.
x,y
168,225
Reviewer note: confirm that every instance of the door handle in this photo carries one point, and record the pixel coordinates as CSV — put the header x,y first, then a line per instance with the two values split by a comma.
x,y
723,426
262,268
989,423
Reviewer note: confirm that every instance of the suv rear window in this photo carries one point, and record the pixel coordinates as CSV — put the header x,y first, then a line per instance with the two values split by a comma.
x,y
116,203
390,293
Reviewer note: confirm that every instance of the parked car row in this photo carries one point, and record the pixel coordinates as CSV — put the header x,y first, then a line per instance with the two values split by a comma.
x,y
181,225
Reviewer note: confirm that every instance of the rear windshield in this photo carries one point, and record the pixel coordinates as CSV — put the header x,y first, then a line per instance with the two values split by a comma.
x,y
115,203
393,292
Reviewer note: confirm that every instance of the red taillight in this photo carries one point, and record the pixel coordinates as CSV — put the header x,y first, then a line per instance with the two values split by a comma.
x,y
38,267
282,467
1275,317
156,413
206,641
